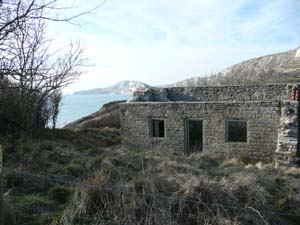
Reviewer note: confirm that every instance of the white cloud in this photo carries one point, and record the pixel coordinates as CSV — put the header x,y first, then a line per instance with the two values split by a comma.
x,y
160,42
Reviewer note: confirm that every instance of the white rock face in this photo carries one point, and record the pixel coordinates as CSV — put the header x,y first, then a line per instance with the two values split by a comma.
x,y
123,87
269,68
128,87
297,53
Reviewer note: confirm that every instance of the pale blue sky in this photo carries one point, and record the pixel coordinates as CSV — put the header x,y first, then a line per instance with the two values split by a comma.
x,y
164,41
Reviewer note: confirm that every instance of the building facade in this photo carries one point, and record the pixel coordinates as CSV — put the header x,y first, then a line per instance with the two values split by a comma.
x,y
256,121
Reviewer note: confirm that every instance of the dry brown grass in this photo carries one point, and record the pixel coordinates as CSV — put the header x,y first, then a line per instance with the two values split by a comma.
x,y
140,187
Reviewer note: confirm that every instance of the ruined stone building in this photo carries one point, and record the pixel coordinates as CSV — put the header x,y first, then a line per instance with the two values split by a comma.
x,y
256,121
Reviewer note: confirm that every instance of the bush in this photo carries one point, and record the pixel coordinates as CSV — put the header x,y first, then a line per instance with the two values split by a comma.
x,y
59,193
26,182
75,168
95,163
28,208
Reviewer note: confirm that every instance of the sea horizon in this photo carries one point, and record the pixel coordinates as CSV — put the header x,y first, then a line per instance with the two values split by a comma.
x,y
76,106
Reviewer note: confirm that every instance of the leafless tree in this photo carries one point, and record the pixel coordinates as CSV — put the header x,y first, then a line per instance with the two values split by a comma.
x,y
55,102
37,74
14,13
31,74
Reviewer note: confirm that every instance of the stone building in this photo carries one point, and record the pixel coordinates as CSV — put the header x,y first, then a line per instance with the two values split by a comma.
x,y
256,121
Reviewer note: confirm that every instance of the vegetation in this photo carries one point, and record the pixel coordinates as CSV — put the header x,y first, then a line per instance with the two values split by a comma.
x,y
32,72
138,187
86,177
40,173
79,178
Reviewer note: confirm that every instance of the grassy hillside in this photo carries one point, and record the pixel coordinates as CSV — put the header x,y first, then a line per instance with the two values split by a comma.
x,y
40,173
63,177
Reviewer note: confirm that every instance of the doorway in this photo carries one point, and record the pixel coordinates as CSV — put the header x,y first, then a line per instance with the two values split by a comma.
x,y
194,135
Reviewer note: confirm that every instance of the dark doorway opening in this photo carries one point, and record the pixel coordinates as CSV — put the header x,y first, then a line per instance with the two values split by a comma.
x,y
194,135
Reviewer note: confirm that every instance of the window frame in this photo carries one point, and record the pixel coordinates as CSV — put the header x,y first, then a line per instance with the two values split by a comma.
x,y
151,127
227,130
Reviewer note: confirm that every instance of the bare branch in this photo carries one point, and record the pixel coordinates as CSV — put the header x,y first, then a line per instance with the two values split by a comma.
x,y
32,75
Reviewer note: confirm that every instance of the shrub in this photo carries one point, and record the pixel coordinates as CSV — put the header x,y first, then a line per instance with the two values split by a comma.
x,y
95,163
28,208
75,168
59,193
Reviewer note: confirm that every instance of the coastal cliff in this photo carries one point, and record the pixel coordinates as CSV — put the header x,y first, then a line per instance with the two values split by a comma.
x,y
107,116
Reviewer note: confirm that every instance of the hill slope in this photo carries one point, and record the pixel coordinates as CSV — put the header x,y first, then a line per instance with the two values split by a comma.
x,y
122,87
106,116
275,68
67,178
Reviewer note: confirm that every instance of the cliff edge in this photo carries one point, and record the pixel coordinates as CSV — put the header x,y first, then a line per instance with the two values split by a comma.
x,y
106,116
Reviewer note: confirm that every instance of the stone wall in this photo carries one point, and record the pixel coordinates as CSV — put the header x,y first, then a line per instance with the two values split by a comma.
x,y
263,119
287,142
216,93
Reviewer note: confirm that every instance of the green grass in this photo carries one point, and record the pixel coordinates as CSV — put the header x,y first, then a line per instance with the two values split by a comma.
x,y
59,193
66,174
39,171
30,208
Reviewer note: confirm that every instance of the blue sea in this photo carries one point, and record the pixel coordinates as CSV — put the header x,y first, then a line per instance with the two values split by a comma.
x,y
76,106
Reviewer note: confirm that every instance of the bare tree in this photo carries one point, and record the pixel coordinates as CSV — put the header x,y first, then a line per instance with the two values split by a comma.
x,y
14,13
30,72
55,102
31,76
37,74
